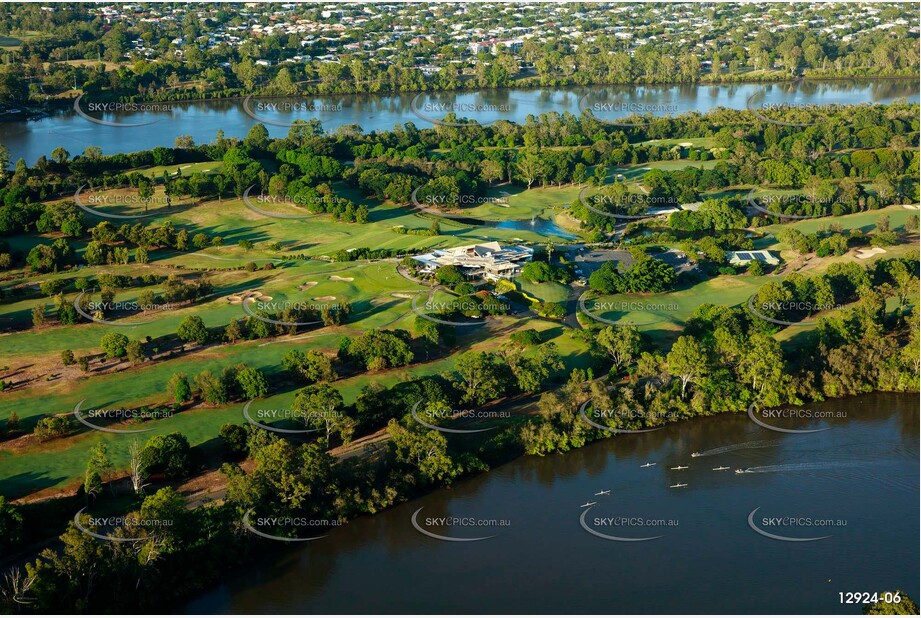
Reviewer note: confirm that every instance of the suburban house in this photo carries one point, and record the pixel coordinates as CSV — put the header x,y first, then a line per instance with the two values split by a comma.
x,y
741,258
488,260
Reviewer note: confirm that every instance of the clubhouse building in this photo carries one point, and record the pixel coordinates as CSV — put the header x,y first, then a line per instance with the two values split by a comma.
x,y
488,260
742,258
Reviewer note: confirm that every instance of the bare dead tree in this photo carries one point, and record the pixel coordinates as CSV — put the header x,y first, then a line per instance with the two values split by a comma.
x,y
137,467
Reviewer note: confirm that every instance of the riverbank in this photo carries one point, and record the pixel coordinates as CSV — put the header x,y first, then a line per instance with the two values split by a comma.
x,y
540,498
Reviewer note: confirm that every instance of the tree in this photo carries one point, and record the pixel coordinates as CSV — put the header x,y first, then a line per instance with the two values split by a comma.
x,y
167,454
484,376
687,360
620,343
531,372
904,606
11,523
448,275
234,438
210,388
537,272
320,406
38,315
137,468
178,387
424,450
99,460
530,167
114,345
135,351
192,328
12,422
252,383
311,366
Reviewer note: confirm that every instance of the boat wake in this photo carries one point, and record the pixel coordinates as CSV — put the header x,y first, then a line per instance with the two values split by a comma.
x,y
802,467
738,447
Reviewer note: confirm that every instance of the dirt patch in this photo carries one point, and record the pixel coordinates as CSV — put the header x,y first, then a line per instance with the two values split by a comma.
x,y
338,278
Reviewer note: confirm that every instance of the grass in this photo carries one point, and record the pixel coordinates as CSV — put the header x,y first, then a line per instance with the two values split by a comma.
x,y
187,169
665,314
865,221
61,462
550,291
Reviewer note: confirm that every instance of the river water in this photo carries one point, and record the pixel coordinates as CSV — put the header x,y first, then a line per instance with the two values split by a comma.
x,y
857,483
202,120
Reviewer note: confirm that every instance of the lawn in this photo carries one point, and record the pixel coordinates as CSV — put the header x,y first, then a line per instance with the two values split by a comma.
x,y
550,291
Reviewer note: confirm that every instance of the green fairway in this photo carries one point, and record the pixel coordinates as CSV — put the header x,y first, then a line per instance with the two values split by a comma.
x,y
865,221
61,462
662,316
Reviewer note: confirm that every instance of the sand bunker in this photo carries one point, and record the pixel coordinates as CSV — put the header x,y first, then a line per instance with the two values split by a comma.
x,y
236,299
686,144
402,295
324,298
338,278
307,285
863,254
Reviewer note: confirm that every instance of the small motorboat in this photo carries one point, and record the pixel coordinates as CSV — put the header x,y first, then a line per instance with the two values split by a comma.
x,y
677,485
588,504
695,454
679,468
648,465
604,492
722,468
741,471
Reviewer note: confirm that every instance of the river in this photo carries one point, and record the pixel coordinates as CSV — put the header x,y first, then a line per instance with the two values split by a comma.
x,y
860,476
30,139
